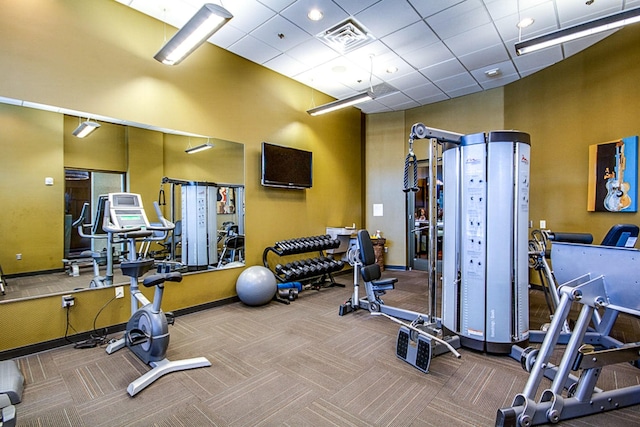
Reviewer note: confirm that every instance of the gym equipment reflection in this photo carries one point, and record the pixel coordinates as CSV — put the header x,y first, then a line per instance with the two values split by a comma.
x,y
104,153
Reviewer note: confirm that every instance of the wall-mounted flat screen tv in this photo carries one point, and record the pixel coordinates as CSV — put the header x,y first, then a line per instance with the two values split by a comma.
x,y
286,167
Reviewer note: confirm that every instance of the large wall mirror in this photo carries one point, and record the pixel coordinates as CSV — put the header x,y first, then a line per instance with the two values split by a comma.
x,y
48,176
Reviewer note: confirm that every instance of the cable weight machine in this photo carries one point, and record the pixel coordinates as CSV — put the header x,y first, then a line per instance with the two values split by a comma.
x,y
485,242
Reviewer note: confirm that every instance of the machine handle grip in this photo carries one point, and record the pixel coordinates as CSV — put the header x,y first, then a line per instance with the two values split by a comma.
x,y
166,224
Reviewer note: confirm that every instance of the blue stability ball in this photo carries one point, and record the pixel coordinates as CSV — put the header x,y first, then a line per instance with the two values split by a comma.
x,y
256,285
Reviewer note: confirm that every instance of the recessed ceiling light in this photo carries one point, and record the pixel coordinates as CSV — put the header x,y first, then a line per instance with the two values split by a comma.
x,y
525,22
392,69
315,14
494,72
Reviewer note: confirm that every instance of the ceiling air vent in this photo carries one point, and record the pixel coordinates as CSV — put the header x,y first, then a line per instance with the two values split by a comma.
x,y
346,36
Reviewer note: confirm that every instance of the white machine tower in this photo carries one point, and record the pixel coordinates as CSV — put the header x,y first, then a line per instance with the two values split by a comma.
x,y
485,249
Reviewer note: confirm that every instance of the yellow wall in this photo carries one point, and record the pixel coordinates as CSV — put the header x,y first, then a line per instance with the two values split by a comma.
x,y
98,57
32,149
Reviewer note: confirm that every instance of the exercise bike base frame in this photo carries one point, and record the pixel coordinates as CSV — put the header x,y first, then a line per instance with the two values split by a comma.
x,y
164,367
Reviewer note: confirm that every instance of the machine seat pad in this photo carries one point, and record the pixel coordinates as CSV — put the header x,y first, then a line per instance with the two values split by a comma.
x,y
159,278
384,284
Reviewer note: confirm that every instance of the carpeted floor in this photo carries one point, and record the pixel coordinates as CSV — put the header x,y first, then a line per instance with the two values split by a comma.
x,y
291,365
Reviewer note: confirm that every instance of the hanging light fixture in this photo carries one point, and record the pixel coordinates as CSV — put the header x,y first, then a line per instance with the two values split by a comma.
x,y
610,22
207,145
209,19
347,102
341,103
85,128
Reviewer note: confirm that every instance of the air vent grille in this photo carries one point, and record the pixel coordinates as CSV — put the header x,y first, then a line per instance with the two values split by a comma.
x,y
346,36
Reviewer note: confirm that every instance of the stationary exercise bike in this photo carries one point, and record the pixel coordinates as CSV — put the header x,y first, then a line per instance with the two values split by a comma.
x,y
97,233
147,334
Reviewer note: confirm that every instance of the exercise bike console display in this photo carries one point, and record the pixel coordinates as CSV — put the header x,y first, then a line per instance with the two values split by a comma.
x,y
127,211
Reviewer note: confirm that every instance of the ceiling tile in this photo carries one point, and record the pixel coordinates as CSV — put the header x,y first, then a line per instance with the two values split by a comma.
x,y
484,57
428,8
443,69
462,91
459,18
312,52
371,107
499,9
280,33
410,38
297,13
248,21
545,21
572,13
276,5
286,65
507,72
374,52
424,91
451,83
354,6
473,40
395,99
382,68
251,48
429,55
409,81
226,36
376,18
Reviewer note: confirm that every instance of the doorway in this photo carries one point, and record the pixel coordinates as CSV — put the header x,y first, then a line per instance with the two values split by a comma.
x,y
84,186
417,218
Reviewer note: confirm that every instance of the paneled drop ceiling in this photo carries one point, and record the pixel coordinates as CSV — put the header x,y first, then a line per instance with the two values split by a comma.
x,y
439,49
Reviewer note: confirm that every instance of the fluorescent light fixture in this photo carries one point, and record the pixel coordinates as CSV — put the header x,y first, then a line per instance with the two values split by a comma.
x,y
209,19
85,128
341,103
207,145
610,22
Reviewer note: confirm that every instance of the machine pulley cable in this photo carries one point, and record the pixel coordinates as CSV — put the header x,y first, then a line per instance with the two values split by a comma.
x,y
410,161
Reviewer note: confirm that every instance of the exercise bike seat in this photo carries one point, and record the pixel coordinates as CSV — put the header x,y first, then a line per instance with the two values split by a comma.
x,y
159,278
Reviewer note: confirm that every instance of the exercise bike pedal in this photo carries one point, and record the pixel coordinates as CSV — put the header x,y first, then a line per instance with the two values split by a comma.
x,y
137,337
171,318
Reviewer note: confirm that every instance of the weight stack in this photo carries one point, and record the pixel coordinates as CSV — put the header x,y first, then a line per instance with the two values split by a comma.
x,y
485,248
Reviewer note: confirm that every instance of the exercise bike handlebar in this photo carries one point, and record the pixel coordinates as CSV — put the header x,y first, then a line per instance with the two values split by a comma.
x,y
81,225
138,232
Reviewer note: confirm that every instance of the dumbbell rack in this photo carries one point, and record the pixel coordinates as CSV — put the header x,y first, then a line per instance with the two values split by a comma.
x,y
313,272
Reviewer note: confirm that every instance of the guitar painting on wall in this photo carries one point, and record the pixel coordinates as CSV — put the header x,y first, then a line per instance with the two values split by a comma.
x,y
613,176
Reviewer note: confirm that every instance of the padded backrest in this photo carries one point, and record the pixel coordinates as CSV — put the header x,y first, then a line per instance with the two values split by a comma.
x,y
584,238
235,242
371,272
621,235
100,212
367,255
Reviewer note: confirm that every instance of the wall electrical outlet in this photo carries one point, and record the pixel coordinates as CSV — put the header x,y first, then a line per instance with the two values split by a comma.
x,y
119,292
68,301
18,256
